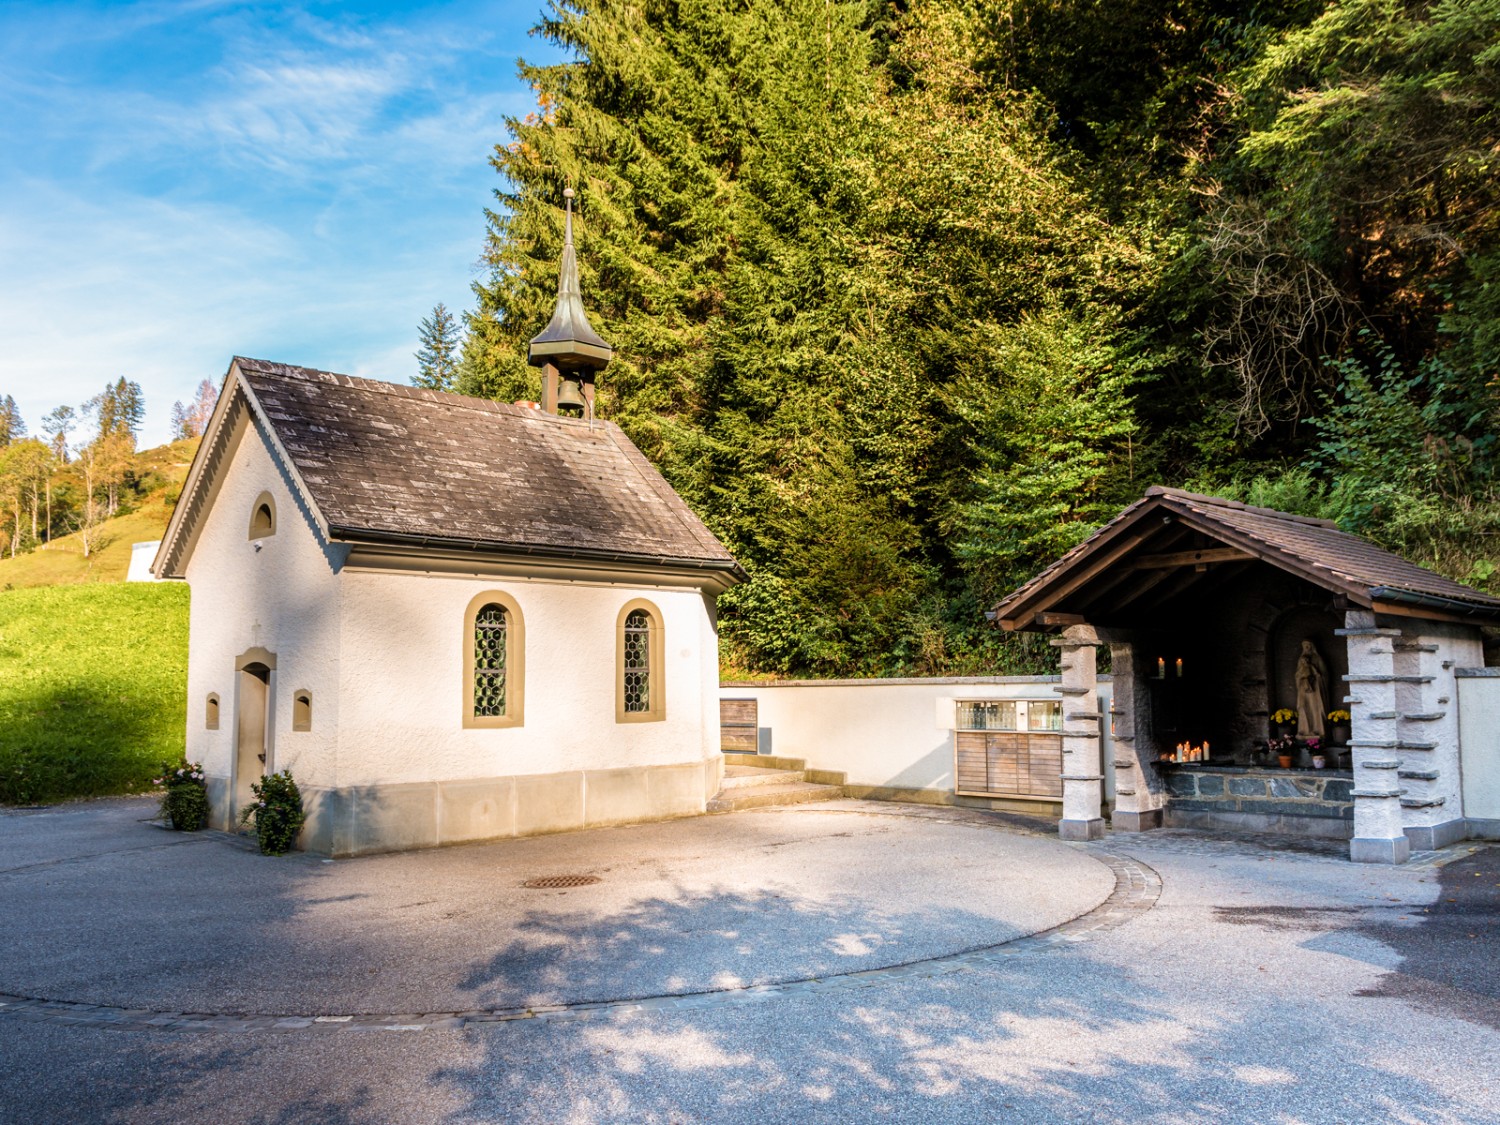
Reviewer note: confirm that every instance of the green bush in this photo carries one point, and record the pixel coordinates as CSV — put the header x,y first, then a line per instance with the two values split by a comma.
x,y
277,813
93,688
184,795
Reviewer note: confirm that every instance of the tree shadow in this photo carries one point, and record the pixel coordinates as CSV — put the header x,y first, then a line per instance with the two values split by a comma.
x,y
1449,963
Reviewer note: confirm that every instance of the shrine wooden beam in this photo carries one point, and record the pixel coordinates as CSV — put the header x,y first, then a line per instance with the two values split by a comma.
x,y
1146,581
1096,592
1061,619
1025,612
1191,558
1200,580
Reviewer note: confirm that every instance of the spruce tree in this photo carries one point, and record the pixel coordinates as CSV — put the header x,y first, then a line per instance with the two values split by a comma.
x,y
437,361
12,426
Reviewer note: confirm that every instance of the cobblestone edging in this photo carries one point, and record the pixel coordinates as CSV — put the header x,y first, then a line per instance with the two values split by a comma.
x,y
1137,888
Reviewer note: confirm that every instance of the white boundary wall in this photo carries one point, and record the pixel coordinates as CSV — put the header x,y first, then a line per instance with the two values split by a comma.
x,y
895,734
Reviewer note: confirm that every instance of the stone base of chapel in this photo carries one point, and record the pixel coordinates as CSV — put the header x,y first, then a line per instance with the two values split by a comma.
x,y
361,820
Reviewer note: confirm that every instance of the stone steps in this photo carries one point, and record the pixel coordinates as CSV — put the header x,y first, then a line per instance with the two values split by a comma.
x,y
757,781
766,796
749,777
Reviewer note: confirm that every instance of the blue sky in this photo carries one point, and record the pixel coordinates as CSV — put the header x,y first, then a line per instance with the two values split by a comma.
x,y
185,180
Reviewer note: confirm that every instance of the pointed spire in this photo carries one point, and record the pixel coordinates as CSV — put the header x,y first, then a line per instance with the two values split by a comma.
x,y
569,342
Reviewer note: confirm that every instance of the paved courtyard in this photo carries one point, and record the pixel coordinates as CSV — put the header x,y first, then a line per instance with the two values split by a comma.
x,y
843,962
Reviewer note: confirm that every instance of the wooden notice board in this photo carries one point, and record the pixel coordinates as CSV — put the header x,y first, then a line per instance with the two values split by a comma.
x,y
738,720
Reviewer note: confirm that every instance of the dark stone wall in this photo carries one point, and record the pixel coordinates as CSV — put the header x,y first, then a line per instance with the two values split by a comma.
x,y
1260,800
1238,644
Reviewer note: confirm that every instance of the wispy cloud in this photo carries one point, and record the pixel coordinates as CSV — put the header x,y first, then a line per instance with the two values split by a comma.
x,y
189,180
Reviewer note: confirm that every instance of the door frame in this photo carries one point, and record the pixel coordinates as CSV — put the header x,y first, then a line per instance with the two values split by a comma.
x,y
243,663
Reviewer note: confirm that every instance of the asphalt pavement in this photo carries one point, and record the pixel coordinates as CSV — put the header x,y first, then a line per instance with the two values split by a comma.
x,y
1261,981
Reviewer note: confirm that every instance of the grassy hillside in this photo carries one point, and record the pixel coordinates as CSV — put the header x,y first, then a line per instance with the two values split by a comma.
x,y
60,562
93,686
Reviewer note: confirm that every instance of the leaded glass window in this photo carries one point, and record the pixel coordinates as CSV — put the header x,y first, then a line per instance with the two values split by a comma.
x,y
638,661
489,661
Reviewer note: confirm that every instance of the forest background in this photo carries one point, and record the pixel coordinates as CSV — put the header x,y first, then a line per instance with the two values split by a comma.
x,y
908,298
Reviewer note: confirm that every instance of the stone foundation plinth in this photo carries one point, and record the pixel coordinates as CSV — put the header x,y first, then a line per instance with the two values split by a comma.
x,y
1250,799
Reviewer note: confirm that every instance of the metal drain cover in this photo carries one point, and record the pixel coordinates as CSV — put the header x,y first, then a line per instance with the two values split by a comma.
x,y
558,882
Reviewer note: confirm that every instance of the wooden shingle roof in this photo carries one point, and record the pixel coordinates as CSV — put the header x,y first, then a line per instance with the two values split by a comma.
x,y
1313,549
393,464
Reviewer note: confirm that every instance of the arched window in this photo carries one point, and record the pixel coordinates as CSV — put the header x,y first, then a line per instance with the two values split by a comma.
x,y
211,712
640,688
489,661
494,656
263,516
302,710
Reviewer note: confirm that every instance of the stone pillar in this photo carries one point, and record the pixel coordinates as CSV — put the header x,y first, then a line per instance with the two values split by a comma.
x,y
1373,679
1083,767
1138,794
1427,730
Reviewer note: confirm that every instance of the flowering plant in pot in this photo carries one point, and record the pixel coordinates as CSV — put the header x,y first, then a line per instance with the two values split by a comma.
x,y
1315,748
1285,722
184,795
276,812
1281,749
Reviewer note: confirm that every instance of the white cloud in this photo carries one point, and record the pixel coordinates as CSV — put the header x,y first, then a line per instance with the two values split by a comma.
x,y
298,189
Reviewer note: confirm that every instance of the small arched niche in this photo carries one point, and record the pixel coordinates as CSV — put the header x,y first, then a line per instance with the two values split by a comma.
x,y
263,517
302,710
211,711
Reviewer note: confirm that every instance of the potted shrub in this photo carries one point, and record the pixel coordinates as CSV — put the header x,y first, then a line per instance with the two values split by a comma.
x,y
1315,748
184,796
276,812
1338,733
1285,723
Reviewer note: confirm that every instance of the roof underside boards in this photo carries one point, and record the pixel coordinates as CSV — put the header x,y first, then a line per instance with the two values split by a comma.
x,y
1173,543
403,464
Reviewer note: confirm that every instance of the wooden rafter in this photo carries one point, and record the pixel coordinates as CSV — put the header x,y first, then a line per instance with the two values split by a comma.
x,y
1191,558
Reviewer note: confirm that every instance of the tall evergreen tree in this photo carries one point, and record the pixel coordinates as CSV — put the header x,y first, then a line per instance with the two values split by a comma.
x,y
437,360
12,426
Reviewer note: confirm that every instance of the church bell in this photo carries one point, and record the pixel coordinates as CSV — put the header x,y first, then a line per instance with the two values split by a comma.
x,y
569,394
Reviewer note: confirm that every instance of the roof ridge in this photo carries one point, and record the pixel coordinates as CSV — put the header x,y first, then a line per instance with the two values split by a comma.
x,y
398,390
1165,493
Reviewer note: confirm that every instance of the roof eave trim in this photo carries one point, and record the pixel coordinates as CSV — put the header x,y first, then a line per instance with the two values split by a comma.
x,y
172,556
1441,602
213,434
345,534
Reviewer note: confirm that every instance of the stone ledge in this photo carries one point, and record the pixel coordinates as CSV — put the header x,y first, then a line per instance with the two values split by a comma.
x,y
1418,775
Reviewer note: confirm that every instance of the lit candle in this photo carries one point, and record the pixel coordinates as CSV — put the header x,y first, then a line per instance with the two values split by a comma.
x,y
1161,668
1179,667
1206,756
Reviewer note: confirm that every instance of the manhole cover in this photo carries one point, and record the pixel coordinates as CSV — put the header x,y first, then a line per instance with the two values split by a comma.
x,y
556,882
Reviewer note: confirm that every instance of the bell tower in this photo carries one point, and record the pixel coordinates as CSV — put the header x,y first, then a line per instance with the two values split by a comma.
x,y
569,351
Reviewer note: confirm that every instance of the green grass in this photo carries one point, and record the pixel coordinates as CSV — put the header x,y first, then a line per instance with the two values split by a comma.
x,y
93,688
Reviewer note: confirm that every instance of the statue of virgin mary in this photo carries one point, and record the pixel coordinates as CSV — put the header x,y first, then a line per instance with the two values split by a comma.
x,y
1312,692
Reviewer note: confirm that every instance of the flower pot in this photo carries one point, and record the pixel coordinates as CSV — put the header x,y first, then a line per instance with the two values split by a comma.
x,y
1319,762
1284,761
1339,734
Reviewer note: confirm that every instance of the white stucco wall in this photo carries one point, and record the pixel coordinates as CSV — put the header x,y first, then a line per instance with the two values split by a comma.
x,y
279,593
401,703
1479,730
888,733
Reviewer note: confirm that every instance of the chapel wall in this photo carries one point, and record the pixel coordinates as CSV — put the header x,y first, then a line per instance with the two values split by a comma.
x,y
279,593
401,699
